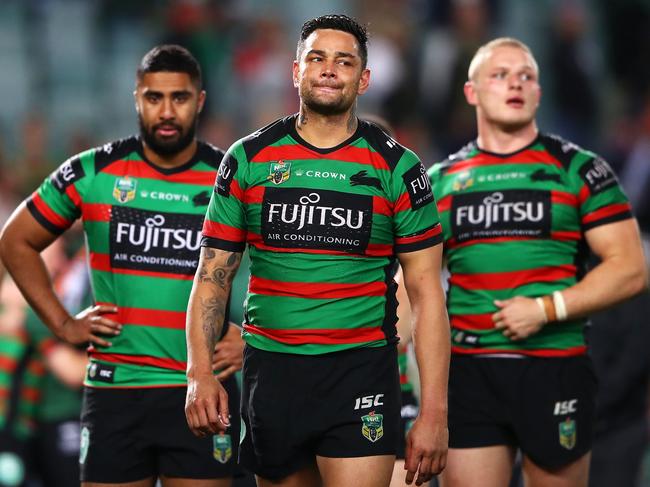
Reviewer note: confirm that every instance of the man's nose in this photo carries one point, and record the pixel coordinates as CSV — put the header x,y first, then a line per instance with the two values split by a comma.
x,y
329,70
167,109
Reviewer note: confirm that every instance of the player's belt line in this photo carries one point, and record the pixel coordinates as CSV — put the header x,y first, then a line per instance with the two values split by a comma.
x,y
512,279
545,352
116,358
320,336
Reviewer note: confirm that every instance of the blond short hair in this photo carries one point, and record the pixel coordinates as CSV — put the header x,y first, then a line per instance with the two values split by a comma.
x,y
486,49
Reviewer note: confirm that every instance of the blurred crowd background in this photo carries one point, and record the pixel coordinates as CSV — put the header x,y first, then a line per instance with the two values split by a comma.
x,y
67,70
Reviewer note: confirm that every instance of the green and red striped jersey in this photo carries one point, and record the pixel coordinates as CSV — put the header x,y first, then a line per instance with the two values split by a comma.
x,y
323,228
21,370
403,362
514,225
143,230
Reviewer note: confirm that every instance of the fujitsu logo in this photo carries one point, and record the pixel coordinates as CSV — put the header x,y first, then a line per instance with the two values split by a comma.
x,y
599,171
495,210
154,235
309,213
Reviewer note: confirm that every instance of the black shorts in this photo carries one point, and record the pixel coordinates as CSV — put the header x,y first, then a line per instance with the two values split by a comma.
x,y
294,407
56,452
132,434
409,412
543,406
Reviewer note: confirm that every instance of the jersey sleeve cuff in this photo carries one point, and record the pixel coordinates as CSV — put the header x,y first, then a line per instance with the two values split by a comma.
x,y
40,218
607,214
218,243
428,238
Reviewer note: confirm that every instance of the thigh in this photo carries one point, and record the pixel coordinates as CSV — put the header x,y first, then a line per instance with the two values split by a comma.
x,y
276,431
487,466
358,404
574,474
374,471
113,444
555,419
479,404
180,454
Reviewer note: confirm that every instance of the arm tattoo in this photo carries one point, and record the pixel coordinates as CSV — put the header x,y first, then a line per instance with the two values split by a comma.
x,y
217,269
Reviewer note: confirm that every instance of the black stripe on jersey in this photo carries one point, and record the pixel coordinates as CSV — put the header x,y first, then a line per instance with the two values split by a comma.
x,y
389,149
114,151
209,154
561,149
227,245
423,244
390,307
47,224
623,215
459,156
67,174
265,136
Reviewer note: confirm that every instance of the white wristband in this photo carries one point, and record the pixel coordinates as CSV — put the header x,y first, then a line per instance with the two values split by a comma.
x,y
540,303
560,306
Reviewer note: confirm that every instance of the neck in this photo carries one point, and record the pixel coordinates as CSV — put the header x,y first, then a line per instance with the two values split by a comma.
x,y
500,140
324,131
169,161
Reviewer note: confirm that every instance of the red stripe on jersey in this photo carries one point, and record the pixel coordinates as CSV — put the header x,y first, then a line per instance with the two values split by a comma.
x,y
452,244
403,379
225,232
403,203
568,352
96,212
506,280
30,393
36,367
7,364
73,194
140,169
313,290
117,358
563,198
44,209
472,322
605,212
381,206
236,190
566,235
375,250
102,262
432,232
349,153
322,336
584,193
254,195
524,157
151,317
444,204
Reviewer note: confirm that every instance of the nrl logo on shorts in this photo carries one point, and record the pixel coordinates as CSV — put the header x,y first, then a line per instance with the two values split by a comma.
x,y
373,426
124,189
279,172
222,448
568,433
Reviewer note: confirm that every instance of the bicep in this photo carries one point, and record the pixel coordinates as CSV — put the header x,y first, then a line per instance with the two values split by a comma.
x,y
23,229
421,271
618,239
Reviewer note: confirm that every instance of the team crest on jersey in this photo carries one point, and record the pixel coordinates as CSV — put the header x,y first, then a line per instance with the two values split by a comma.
x,y
279,172
373,426
124,189
222,447
463,181
568,433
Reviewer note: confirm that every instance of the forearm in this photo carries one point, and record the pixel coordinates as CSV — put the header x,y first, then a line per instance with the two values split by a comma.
x,y
432,352
207,307
28,271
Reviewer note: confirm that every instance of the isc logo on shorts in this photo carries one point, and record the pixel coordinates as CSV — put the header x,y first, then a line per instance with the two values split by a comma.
x,y
565,407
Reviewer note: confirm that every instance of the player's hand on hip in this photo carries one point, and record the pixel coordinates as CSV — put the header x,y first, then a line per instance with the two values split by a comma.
x,y
426,450
228,353
91,325
518,317
206,406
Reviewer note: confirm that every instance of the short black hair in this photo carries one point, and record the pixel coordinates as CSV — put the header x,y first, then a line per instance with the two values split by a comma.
x,y
337,22
170,58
